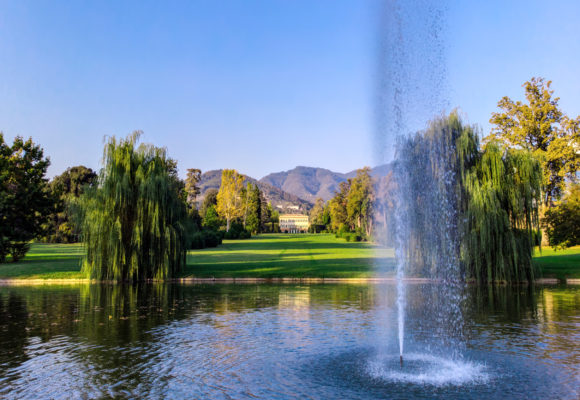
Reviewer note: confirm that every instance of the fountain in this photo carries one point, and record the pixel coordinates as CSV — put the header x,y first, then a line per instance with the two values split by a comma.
x,y
411,98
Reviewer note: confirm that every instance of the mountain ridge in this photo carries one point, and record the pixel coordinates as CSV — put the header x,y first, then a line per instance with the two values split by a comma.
x,y
300,186
310,183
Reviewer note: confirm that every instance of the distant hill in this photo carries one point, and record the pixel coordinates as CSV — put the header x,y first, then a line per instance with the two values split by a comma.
x,y
309,183
279,199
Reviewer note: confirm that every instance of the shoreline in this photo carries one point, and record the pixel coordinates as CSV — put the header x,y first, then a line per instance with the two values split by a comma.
x,y
242,280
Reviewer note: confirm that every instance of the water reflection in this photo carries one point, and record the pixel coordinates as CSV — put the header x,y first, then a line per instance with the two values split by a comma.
x,y
284,341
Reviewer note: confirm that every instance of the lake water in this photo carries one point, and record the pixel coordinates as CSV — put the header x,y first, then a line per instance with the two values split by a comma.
x,y
284,342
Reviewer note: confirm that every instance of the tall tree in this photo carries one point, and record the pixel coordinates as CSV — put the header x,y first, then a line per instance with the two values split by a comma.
x,y
229,197
360,201
133,220
65,189
385,208
209,199
253,208
24,197
541,127
466,206
265,213
562,222
317,214
338,212
192,186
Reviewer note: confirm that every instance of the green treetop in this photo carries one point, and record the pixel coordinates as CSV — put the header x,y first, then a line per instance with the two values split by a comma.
x,y
541,127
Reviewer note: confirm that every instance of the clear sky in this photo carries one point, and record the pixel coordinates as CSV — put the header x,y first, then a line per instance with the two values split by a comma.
x,y
260,86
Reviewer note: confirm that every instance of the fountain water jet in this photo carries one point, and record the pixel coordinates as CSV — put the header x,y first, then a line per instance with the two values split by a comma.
x,y
411,92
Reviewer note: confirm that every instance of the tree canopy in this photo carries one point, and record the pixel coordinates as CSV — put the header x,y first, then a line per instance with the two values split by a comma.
x,y
562,222
24,195
541,127
229,197
466,206
65,189
133,220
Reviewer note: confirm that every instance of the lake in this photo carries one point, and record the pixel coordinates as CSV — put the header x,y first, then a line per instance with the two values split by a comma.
x,y
285,342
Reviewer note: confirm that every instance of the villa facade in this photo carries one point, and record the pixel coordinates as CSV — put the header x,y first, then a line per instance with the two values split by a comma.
x,y
294,223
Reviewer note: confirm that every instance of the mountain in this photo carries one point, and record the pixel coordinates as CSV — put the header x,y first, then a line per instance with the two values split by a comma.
x,y
309,183
279,199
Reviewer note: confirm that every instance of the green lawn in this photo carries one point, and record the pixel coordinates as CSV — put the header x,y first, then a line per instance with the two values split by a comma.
x,y
267,256
283,255
46,261
559,264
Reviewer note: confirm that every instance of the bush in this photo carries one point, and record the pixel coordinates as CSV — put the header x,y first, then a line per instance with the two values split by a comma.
x,y
352,237
237,231
204,239
562,223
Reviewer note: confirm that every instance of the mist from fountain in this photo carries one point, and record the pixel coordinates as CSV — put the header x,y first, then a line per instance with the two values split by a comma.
x,y
411,91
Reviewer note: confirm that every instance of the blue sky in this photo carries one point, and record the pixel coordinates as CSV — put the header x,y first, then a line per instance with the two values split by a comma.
x,y
260,86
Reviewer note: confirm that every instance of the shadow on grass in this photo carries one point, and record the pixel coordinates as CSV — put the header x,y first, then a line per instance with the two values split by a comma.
x,y
336,268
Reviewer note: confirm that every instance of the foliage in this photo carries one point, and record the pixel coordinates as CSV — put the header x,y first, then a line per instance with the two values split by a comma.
x,y
133,221
24,197
65,189
360,199
265,213
229,197
502,215
252,208
209,199
541,127
191,186
384,221
205,239
337,206
562,222
237,231
317,216
351,210
468,206
211,219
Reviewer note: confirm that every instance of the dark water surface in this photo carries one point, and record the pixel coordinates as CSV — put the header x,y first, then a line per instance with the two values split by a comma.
x,y
284,342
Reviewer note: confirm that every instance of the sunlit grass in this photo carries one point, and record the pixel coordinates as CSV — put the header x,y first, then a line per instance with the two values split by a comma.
x,y
46,261
288,256
559,264
268,256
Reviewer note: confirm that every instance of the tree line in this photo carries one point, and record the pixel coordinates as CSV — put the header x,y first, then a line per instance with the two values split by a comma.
x,y
520,181
137,218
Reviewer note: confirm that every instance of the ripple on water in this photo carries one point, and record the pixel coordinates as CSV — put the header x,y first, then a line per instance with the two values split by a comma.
x,y
427,369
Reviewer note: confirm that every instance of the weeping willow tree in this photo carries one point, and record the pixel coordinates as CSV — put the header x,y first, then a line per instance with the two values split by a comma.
x,y
431,197
132,222
466,212
502,215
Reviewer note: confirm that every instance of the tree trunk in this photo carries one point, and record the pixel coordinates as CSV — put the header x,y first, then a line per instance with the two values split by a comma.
x,y
227,224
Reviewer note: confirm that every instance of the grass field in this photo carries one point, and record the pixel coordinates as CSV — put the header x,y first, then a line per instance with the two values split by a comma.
x,y
559,264
267,256
46,261
282,255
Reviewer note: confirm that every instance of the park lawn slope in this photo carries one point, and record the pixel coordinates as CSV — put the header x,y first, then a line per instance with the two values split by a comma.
x,y
288,256
559,264
46,261
268,256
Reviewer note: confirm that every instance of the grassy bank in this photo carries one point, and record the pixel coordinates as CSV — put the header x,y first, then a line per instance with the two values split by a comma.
x,y
559,264
267,256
